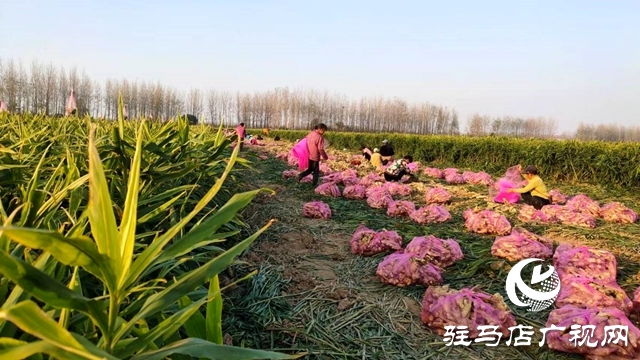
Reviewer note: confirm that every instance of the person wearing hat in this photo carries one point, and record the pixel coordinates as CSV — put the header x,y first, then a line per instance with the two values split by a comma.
x,y
386,151
376,158
535,192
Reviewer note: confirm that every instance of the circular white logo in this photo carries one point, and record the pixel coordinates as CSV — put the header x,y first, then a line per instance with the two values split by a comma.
x,y
537,299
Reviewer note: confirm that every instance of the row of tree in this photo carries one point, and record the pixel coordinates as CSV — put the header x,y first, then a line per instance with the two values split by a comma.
x,y
609,132
482,125
44,88
479,125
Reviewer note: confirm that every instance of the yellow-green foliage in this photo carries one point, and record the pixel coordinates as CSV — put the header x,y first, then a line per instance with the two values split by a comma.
x,y
107,233
558,160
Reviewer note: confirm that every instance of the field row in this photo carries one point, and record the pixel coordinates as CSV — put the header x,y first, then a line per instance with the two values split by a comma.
x,y
485,263
608,164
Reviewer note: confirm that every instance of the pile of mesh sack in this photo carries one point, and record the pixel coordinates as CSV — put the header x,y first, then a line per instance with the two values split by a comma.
x,y
602,343
433,173
590,297
335,178
437,195
522,244
400,208
328,189
370,180
420,263
396,189
316,210
350,180
568,216
479,178
530,214
440,252
618,213
588,278
570,259
378,197
452,176
403,269
557,197
583,204
430,214
293,161
413,167
325,169
486,222
354,192
369,242
290,174
469,307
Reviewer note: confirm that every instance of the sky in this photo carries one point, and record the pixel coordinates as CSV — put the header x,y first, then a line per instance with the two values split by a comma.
x,y
572,61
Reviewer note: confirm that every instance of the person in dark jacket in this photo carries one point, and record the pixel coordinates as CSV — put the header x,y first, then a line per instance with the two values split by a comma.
x,y
386,151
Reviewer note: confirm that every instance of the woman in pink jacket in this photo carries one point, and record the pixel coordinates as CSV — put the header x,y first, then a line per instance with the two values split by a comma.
x,y
240,132
315,145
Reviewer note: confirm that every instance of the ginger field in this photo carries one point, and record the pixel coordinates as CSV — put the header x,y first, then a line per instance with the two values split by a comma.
x,y
312,293
147,240
113,237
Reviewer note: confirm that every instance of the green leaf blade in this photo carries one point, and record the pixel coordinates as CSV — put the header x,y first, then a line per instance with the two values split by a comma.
x,y
69,251
49,290
189,282
153,251
129,218
101,216
31,319
214,312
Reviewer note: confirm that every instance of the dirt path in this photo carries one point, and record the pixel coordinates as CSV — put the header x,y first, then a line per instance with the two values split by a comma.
x,y
310,250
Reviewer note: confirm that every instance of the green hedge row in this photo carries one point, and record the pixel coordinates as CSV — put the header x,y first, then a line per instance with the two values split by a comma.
x,y
596,162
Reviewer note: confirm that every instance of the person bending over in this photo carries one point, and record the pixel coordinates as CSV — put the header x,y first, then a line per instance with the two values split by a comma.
x,y
376,159
535,192
366,152
398,169
315,146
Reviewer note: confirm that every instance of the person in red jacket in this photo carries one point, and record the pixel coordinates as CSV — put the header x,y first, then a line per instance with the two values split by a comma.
x,y
315,145
240,131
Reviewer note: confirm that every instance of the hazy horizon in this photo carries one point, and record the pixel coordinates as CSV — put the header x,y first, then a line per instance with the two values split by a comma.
x,y
575,61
